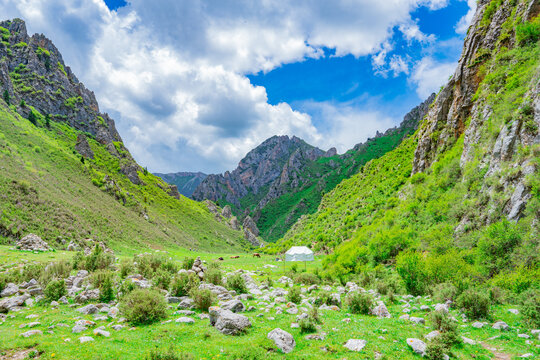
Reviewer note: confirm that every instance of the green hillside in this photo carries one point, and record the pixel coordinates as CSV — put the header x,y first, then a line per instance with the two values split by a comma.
x,y
456,221
47,189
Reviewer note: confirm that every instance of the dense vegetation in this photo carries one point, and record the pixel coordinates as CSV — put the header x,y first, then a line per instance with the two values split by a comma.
x,y
445,225
47,188
280,214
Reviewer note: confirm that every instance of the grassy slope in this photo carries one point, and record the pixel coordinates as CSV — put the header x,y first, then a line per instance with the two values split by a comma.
x,y
280,214
45,189
375,215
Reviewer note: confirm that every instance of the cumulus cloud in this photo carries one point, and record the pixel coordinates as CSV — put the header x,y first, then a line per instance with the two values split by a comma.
x,y
429,75
465,21
172,73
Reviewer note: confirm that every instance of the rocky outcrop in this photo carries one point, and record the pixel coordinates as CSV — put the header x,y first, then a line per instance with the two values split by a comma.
x,y
83,147
32,242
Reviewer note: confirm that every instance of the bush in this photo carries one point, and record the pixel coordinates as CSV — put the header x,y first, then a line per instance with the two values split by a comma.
x,y
97,260
445,291
528,33
411,266
294,295
55,290
497,244
162,279
54,270
359,303
436,349
126,268
187,263
442,322
309,323
182,284
213,275
307,279
144,306
103,280
237,283
530,308
168,355
324,297
474,303
148,264
203,298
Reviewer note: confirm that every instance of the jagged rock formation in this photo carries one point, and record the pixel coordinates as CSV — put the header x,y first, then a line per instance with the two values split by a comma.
x,y
186,182
32,242
256,171
37,82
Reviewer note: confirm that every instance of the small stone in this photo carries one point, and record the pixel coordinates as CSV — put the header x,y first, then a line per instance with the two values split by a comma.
x,y
101,332
417,320
501,325
283,340
478,324
31,333
514,311
523,336
432,335
468,341
185,320
85,339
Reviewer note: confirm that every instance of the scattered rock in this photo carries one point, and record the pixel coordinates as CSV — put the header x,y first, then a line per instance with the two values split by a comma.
x,y
381,311
185,320
227,322
355,344
101,332
31,333
514,311
417,345
88,309
501,325
9,290
468,341
478,324
85,339
235,306
417,320
283,340
432,335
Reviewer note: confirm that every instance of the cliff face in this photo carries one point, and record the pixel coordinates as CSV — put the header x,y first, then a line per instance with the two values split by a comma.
x,y
274,160
460,109
186,182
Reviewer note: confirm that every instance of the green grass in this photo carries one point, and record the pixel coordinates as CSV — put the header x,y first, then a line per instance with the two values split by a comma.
x,y
205,342
51,193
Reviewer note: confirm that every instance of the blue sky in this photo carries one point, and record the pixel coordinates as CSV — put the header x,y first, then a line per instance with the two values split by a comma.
x,y
193,85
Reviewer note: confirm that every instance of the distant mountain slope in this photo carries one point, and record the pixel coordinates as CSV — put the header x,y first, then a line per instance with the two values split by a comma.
x,y
65,173
459,201
285,178
186,182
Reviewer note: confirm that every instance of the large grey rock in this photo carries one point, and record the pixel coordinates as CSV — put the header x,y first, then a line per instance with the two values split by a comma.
x,y
31,333
8,304
185,320
355,344
235,306
85,339
283,340
500,325
9,290
32,242
381,311
88,309
227,322
417,345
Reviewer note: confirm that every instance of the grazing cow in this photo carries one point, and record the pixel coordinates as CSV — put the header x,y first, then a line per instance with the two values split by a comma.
x,y
220,259
257,255
235,257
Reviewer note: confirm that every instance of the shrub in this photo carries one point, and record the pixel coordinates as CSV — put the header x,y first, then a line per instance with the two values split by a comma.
x,y
496,246
213,276
203,298
309,323
324,297
529,32
237,283
187,263
307,279
182,284
435,349
106,291
59,269
294,295
144,306
169,355
359,303
412,268
162,279
55,290
530,308
148,264
442,322
126,268
445,291
474,303
97,260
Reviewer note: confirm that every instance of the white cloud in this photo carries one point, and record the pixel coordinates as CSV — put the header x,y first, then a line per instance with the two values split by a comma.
x,y
429,75
172,72
465,21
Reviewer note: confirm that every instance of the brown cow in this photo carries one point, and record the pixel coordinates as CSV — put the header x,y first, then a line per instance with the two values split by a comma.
x,y
257,255
235,257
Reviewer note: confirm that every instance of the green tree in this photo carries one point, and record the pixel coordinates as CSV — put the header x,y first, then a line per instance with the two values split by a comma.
x,y
48,121
32,118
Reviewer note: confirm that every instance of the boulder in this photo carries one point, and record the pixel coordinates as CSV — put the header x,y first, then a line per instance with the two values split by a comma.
x,y
417,320
31,333
283,340
85,339
417,345
101,332
432,335
88,309
32,242
355,344
501,325
8,304
227,322
381,311
9,290
185,320
441,307
235,306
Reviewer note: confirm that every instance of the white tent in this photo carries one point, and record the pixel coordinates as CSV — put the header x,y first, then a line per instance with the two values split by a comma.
x,y
299,253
